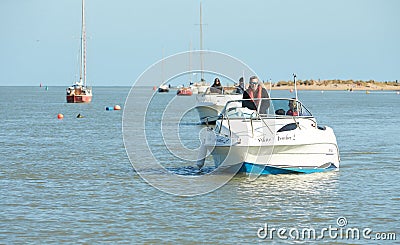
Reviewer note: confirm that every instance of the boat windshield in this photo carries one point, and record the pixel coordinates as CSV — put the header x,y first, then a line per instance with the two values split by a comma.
x,y
276,107
225,90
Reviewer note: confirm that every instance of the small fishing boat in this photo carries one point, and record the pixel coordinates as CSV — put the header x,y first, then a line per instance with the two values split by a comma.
x,y
285,138
184,91
79,92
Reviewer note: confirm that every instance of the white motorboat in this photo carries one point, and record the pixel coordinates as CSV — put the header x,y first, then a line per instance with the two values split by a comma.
x,y
163,88
278,140
211,103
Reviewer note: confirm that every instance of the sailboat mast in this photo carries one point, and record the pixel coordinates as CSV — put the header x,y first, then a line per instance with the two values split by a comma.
x,y
201,44
162,67
83,46
295,87
190,63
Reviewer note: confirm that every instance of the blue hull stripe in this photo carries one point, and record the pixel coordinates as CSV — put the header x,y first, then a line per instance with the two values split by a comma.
x,y
262,169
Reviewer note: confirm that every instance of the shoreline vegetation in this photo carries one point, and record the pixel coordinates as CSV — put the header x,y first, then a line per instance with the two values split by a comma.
x,y
349,85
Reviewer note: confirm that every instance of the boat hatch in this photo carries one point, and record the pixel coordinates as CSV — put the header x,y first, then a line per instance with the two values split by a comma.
x,y
288,127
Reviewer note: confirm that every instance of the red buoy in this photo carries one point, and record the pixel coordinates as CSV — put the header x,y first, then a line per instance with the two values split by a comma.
x,y
60,116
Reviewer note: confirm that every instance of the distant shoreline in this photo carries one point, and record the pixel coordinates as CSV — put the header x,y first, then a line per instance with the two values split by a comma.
x,y
339,85
335,85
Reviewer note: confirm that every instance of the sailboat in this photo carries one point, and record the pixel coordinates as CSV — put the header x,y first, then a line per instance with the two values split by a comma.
x,y
79,92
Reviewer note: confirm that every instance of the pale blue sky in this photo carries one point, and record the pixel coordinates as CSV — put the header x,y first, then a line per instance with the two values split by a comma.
x,y
331,39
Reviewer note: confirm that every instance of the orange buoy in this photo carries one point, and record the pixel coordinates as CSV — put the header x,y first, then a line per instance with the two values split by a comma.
x,y
291,90
117,107
60,116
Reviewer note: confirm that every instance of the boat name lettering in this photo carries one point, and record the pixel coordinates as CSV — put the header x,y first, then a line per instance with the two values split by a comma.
x,y
264,140
286,137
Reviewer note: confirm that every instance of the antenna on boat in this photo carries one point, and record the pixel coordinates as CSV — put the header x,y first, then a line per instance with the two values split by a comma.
x,y
270,86
201,45
190,62
244,81
83,43
295,87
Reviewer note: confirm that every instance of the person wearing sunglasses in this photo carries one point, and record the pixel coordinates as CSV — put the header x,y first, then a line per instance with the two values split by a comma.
x,y
254,95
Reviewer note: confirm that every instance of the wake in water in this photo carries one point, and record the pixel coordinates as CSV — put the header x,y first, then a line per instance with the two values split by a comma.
x,y
184,171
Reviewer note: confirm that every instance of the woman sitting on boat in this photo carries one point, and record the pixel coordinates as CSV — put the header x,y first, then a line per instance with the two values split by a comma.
x,y
254,93
216,87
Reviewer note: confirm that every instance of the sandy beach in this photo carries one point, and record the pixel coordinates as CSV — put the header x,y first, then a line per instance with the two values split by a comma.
x,y
338,86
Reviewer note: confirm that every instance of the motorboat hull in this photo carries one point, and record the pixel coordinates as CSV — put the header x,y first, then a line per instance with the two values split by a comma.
x,y
265,169
163,90
278,159
184,92
209,106
208,112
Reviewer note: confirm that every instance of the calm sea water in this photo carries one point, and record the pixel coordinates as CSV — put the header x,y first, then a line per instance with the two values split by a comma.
x,y
70,180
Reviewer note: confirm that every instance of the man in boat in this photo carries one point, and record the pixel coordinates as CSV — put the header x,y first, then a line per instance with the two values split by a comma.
x,y
240,87
254,94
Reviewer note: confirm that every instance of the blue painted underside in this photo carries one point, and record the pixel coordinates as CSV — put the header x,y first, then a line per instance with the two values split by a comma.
x,y
262,169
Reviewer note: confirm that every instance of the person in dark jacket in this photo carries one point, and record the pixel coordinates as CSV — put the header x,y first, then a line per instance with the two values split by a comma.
x,y
240,87
216,87
255,92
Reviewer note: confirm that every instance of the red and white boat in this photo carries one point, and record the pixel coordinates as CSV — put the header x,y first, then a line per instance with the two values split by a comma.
x,y
184,91
79,92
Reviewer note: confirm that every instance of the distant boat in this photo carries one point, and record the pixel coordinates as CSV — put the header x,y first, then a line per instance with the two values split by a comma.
x,y
163,89
79,92
199,87
184,91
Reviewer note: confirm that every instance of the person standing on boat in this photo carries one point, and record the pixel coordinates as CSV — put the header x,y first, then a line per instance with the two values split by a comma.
x,y
254,93
216,87
240,87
